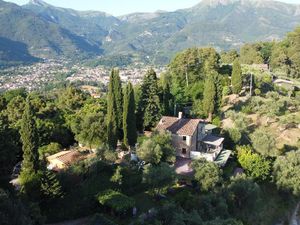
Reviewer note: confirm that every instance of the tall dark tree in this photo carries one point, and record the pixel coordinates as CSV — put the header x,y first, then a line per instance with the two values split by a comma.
x,y
112,126
50,186
118,98
166,99
209,97
149,105
8,146
3,103
236,77
129,118
30,140
152,112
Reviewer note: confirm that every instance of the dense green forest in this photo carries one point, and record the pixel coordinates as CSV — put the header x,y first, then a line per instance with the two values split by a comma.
x,y
259,120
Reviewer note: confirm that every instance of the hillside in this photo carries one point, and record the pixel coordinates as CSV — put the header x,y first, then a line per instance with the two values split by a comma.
x,y
38,36
151,37
222,24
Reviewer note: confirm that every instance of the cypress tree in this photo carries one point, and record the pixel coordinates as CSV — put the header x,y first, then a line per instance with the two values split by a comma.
x,y
209,97
219,89
129,118
112,128
166,100
118,98
236,77
30,141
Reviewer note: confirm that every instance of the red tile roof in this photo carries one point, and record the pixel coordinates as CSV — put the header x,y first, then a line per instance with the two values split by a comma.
x,y
179,126
70,157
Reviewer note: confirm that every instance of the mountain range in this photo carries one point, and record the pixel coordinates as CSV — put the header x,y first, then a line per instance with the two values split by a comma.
x,y
39,30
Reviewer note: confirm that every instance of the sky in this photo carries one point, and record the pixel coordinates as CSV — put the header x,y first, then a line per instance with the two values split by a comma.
x,y
122,7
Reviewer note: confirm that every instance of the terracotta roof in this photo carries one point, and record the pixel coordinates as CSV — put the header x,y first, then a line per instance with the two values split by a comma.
x,y
67,157
179,126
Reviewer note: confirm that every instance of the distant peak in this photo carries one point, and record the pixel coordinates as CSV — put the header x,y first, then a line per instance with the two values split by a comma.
x,y
218,2
38,2
228,2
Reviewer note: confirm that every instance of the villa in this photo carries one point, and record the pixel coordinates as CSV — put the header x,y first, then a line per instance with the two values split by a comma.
x,y
194,139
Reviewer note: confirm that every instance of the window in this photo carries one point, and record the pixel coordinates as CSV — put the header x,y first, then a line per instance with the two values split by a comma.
x,y
183,151
184,138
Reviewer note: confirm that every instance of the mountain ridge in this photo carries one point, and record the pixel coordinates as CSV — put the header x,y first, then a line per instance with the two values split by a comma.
x,y
156,37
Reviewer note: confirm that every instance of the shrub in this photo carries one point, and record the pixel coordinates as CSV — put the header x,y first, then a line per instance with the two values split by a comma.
x,y
235,135
257,92
255,165
263,142
110,156
159,176
50,149
247,109
150,152
115,200
207,174
286,172
226,91
217,121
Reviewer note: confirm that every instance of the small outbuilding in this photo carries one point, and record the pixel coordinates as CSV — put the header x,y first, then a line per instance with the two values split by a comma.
x,y
64,159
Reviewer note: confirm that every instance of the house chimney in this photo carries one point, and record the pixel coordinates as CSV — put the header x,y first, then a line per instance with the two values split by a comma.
x,y
180,115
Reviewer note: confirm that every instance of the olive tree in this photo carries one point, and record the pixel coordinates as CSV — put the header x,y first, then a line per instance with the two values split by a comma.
x,y
286,172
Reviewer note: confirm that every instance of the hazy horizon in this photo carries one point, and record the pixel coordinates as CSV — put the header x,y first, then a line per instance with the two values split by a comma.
x,y
117,8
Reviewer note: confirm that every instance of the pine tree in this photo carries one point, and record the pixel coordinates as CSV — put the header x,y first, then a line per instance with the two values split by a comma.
x,y
118,98
129,118
112,128
50,185
152,113
209,97
149,100
236,77
30,141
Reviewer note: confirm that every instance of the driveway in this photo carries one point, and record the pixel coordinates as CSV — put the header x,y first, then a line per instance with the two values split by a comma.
x,y
183,166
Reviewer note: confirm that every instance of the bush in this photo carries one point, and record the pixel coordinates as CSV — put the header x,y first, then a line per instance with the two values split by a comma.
x,y
235,135
158,177
50,149
257,92
110,156
247,109
115,200
255,165
207,174
264,142
217,121
286,172
30,184
226,91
